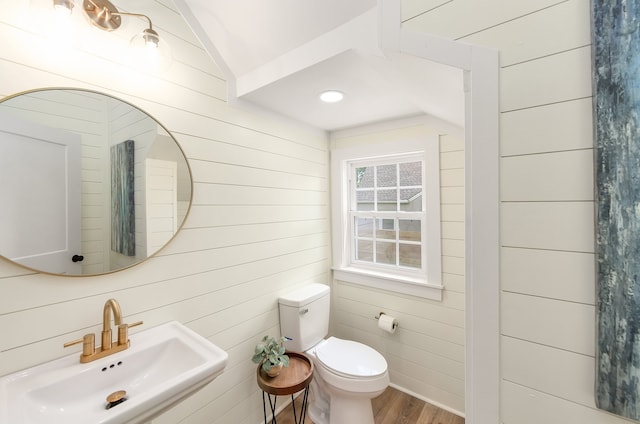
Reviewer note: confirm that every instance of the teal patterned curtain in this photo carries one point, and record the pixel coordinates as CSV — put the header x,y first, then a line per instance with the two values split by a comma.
x,y
123,219
616,78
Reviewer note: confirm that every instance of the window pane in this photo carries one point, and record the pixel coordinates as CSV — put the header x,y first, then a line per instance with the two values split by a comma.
x,y
364,177
385,253
386,229
364,200
410,229
364,250
387,200
388,214
410,255
411,199
411,174
387,175
363,227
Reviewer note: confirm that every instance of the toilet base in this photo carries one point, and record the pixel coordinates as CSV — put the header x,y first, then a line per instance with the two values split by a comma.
x,y
343,411
317,416
351,410
330,405
318,409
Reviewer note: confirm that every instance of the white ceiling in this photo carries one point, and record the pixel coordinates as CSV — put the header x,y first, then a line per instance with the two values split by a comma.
x,y
281,54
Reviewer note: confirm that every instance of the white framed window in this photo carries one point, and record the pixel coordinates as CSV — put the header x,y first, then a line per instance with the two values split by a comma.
x,y
386,216
387,213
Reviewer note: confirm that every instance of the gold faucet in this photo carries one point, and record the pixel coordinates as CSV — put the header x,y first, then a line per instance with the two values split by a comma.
x,y
89,352
110,305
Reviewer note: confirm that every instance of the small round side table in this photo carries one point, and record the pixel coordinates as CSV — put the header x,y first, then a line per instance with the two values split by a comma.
x,y
291,380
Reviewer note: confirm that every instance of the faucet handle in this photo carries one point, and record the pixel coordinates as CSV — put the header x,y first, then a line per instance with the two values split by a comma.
x,y
123,332
135,324
75,342
88,344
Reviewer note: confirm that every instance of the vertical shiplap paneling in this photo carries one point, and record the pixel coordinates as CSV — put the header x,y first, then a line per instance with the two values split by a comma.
x,y
258,225
426,353
547,268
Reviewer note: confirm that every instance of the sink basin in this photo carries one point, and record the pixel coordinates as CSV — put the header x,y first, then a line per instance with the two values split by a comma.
x,y
164,365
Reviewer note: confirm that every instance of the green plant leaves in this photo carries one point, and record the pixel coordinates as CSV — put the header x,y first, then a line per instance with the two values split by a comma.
x,y
270,352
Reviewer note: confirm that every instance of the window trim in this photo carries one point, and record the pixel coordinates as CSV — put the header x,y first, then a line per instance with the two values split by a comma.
x,y
423,284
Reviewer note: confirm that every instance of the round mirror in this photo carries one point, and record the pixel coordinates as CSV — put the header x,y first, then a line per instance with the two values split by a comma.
x,y
89,184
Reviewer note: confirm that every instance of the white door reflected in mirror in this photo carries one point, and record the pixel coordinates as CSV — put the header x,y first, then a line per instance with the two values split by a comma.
x,y
92,184
40,171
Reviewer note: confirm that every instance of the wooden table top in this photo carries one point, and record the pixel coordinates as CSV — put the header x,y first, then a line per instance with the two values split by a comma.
x,y
291,379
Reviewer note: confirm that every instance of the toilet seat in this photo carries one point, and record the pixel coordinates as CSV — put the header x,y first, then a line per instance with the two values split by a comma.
x,y
350,359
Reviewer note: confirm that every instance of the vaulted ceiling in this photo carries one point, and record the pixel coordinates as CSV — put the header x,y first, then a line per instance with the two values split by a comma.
x,y
282,54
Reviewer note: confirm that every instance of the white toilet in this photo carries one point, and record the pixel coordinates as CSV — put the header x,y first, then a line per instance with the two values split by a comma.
x,y
347,374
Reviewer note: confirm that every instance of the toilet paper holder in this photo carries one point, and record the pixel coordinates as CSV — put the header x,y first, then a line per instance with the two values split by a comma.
x,y
395,324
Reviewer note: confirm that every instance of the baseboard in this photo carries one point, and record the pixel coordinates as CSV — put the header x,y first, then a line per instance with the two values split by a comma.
x,y
430,401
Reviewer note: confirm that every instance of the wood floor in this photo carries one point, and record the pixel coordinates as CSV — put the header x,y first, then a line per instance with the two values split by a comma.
x,y
393,407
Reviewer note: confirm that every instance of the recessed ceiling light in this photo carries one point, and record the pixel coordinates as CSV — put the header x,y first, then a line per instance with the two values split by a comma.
x,y
331,96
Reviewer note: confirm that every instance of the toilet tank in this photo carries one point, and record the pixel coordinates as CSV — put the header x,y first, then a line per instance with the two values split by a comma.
x,y
304,316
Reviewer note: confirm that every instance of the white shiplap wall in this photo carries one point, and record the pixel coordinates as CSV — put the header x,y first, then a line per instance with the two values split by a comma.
x,y
426,353
259,224
547,251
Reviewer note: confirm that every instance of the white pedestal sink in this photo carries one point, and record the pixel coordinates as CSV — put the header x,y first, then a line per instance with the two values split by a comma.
x,y
164,365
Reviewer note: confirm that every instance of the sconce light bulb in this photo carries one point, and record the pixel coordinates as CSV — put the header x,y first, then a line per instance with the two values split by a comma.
x,y
149,51
151,38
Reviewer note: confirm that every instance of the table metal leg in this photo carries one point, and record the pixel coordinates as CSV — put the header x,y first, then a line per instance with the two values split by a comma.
x,y
293,405
305,404
264,408
303,408
272,406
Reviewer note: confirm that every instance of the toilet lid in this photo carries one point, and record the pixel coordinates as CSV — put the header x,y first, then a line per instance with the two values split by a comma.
x,y
351,359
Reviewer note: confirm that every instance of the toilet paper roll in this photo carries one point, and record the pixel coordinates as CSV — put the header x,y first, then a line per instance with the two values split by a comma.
x,y
387,323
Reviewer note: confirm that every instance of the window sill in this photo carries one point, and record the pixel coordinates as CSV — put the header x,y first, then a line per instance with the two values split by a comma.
x,y
389,282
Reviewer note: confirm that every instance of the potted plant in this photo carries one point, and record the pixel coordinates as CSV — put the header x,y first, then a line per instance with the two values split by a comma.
x,y
271,354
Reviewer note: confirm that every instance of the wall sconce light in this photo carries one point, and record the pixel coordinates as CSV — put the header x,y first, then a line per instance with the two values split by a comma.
x,y
104,15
